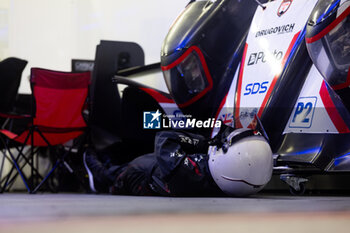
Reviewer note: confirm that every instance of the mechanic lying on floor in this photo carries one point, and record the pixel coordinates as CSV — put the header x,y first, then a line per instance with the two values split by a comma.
x,y
239,163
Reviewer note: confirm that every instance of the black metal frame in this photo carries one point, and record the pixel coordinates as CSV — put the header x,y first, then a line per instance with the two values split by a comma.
x,y
30,183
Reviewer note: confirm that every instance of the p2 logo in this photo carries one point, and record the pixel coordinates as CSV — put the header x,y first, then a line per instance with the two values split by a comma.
x,y
303,112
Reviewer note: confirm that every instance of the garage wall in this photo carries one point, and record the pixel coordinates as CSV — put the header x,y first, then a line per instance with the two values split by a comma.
x,y
4,10
49,33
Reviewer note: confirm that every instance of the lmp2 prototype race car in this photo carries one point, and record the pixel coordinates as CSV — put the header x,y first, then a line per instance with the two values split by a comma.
x,y
283,63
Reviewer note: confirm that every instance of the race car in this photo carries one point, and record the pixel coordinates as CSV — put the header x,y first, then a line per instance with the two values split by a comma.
x,y
284,64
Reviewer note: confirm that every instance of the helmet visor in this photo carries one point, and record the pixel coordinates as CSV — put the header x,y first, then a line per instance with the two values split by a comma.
x,y
188,78
338,42
330,50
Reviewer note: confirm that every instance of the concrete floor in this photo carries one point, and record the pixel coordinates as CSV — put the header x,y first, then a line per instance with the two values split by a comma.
x,y
103,213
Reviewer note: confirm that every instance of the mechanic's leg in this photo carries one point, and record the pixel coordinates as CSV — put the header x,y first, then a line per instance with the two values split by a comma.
x,y
135,179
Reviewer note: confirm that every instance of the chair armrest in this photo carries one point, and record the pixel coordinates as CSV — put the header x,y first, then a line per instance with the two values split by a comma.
x,y
8,133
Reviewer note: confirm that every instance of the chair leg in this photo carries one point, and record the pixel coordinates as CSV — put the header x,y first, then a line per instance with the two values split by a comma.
x,y
10,181
14,160
43,181
60,161
31,158
4,181
20,172
46,177
57,163
1,169
27,161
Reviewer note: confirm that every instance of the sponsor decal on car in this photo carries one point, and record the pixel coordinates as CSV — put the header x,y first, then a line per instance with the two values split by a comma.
x,y
255,58
284,7
303,112
256,88
287,28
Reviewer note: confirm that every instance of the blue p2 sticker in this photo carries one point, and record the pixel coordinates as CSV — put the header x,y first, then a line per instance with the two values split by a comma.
x,y
303,112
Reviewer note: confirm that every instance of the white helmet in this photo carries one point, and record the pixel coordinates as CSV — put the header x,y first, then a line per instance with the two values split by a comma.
x,y
243,165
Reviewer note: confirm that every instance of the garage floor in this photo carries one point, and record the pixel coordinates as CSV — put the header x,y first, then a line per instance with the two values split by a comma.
x,y
86,213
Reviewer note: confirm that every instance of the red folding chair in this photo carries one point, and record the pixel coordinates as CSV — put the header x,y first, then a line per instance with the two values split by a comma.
x,y
59,99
